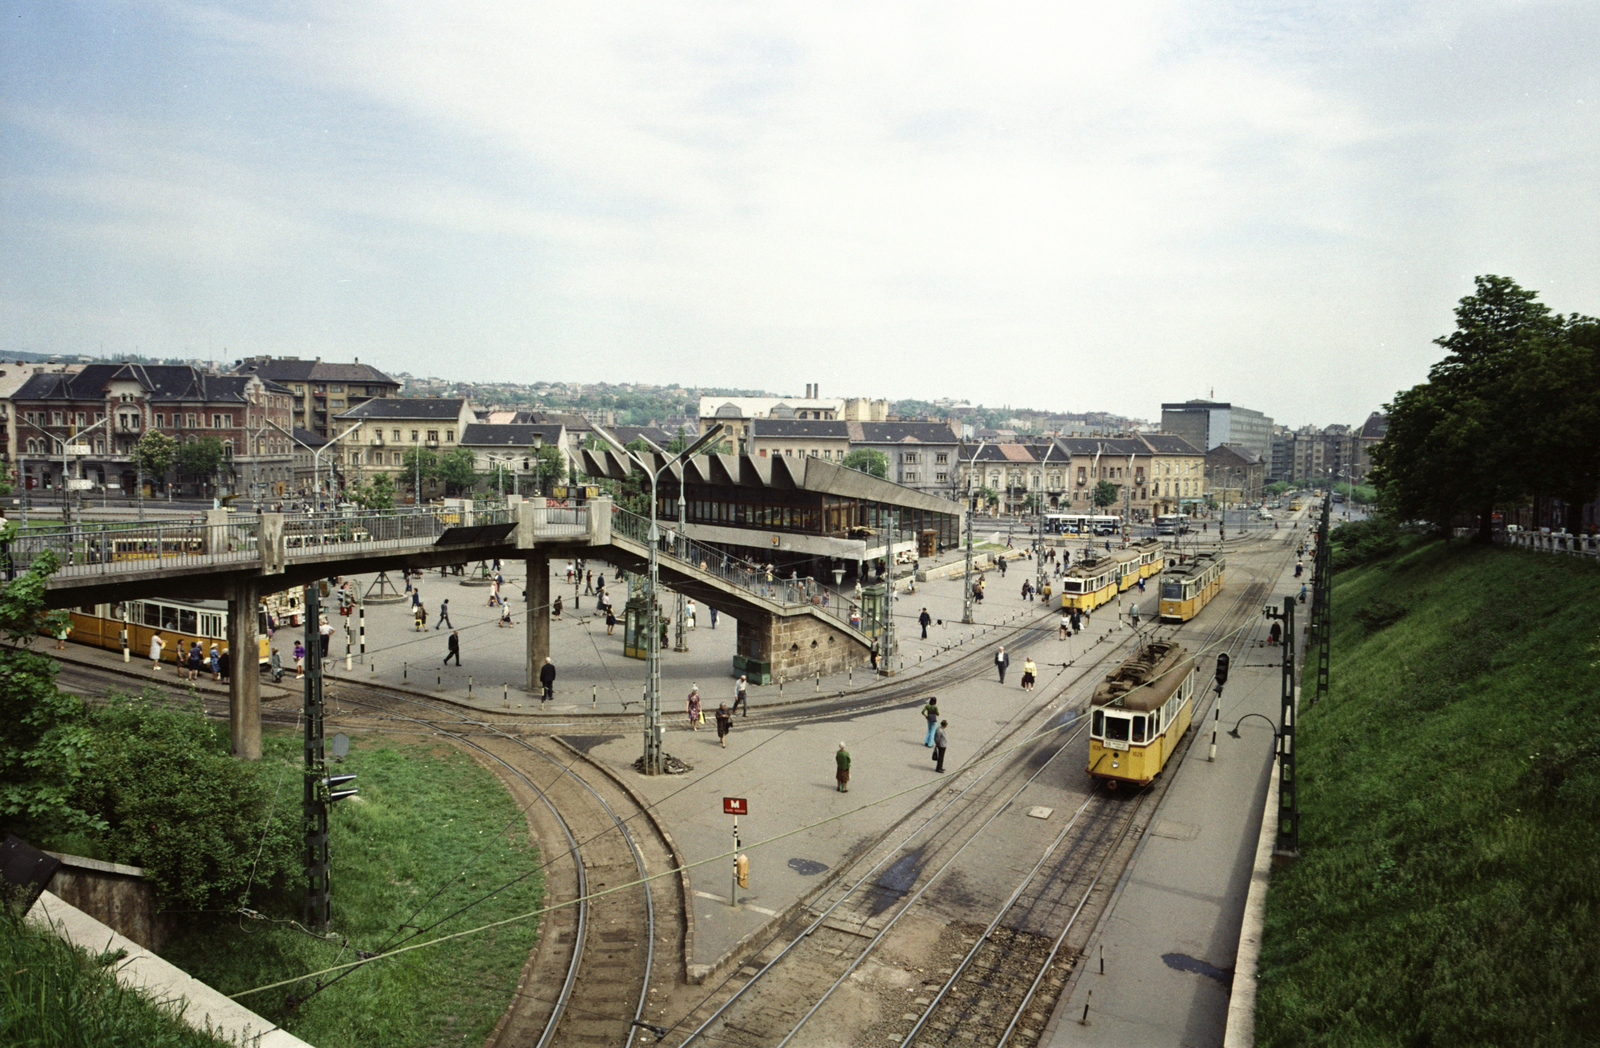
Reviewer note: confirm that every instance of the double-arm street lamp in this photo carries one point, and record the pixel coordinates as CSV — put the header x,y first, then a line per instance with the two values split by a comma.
x,y
66,445
316,453
652,698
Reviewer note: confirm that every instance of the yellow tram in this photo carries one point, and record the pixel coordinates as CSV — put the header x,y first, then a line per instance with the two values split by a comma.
x,y
1139,713
1187,588
179,622
1089,583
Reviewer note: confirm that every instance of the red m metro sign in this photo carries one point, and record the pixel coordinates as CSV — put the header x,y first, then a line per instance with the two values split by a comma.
x,y
735,806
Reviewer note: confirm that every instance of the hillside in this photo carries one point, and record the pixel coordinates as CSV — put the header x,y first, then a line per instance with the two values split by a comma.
x,y
1448,890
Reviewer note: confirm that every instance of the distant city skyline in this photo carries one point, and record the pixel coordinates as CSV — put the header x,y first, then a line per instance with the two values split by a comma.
x,y
1276,205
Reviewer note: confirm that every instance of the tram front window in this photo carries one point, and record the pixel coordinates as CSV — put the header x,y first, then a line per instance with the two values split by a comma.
x,y
1171,590
1072,586
1098,728
1117,728
1138,729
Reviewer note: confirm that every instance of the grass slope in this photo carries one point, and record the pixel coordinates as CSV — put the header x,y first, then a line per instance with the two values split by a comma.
x,y
1448,890
428,819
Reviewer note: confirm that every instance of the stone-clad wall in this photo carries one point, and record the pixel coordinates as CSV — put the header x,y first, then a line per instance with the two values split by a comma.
x,y
802,646
115,895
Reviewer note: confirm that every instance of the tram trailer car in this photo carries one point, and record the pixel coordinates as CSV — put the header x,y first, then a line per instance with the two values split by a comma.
x,y
1189,587
1138,714
178,621
1089,583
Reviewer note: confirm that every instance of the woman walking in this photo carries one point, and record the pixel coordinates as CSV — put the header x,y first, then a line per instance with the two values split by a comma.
x,y
724,724
694,708
299,660
1029,670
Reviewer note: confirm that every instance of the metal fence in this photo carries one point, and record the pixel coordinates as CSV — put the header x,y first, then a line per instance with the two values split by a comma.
x,y
748,576
103,549
1551,542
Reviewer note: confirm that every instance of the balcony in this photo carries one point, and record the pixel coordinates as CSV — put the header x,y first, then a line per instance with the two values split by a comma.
x,y
377,441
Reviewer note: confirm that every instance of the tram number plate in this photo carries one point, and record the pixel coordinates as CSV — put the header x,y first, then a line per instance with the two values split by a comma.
x,y
1115,744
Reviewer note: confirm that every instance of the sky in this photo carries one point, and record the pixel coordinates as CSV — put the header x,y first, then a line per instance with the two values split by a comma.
x,y
1068,206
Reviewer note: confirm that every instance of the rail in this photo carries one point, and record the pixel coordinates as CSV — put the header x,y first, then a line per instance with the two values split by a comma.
x,y
752,578
86,549
1552,542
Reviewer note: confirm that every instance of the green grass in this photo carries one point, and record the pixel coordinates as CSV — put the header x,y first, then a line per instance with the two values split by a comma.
x,y
55,995
427,815
1448,891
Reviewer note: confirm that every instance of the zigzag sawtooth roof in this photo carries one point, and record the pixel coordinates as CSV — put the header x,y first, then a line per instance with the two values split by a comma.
x,y
161,382
509,436
812,428
753,471
901,433
438,409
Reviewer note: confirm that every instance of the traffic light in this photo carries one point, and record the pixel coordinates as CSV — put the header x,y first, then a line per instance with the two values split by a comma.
x,y
335,784
1222,670
741,865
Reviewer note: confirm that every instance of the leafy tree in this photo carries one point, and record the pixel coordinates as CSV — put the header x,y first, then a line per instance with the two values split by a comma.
x,y
1105,494
45,743
458,469
989,497
549,466
1032,501
157,452
200,459
375,493
868,460
416,462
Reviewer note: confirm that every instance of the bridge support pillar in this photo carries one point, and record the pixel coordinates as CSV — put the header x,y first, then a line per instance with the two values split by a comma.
x,y
538,617
244,682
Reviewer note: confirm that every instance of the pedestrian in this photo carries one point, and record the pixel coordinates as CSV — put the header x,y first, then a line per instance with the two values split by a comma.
x,y
688,611
841,774
724,724
873,653
611,620
494,593
444,615
695,716
925,620
505,615
555,609
713,618
419,617
939,742
1274,634
1141,583
454,650
1066,627
741,695
547,679
156,644
216,662
299,660
324,635
225,665
588,582
275,665
1027,590
61,633
1002,567
196,660
1001,661
1133,616
416,597
1029,673
930,710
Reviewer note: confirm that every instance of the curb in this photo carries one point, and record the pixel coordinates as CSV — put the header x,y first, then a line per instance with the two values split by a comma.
x,y
1241,1028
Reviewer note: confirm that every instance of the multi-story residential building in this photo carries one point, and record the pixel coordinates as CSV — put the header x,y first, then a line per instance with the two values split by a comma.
x,y
96,416
1372,433
922,455
1207,423
12,376
736,413
1149,474
385,429
510,451
1235,475
1177,474
321,390
803,438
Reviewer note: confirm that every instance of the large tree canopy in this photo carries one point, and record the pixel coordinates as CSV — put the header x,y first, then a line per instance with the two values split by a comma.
x,y
1512,412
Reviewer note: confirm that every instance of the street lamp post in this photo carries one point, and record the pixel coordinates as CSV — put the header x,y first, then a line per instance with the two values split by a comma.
x,y
652,697
966,595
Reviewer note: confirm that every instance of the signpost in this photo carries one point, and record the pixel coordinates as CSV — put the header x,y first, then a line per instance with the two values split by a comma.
x,y
736,806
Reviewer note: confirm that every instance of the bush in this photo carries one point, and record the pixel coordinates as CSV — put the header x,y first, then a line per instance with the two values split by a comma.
x,y
209,830
1363,541
1379,613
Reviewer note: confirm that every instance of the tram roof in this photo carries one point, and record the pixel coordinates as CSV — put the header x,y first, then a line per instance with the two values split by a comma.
x,y
780,472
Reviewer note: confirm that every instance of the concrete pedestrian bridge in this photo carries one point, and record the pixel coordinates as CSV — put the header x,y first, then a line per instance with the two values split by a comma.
x,y
238,558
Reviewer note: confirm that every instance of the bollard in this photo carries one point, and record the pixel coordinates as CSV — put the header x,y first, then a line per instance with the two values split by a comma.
x,y
1102,958
505,695
1085,1020
405,671
439,681
850,678
594,695
780,689
361,629
469,688
819,680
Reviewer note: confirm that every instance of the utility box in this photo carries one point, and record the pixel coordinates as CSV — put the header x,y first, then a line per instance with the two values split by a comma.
x,y
758,671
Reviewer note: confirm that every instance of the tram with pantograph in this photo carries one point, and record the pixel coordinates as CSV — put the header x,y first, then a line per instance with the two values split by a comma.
x,y
1138,714
1189,586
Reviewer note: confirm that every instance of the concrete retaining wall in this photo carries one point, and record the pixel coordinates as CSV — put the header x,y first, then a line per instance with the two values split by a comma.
x,y
115,895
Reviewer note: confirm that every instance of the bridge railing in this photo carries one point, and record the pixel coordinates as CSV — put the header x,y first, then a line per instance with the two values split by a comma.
x,y
745,575
1552,542
86,549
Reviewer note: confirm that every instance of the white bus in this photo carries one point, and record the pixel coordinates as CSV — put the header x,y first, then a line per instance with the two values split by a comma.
x,y
1083,524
